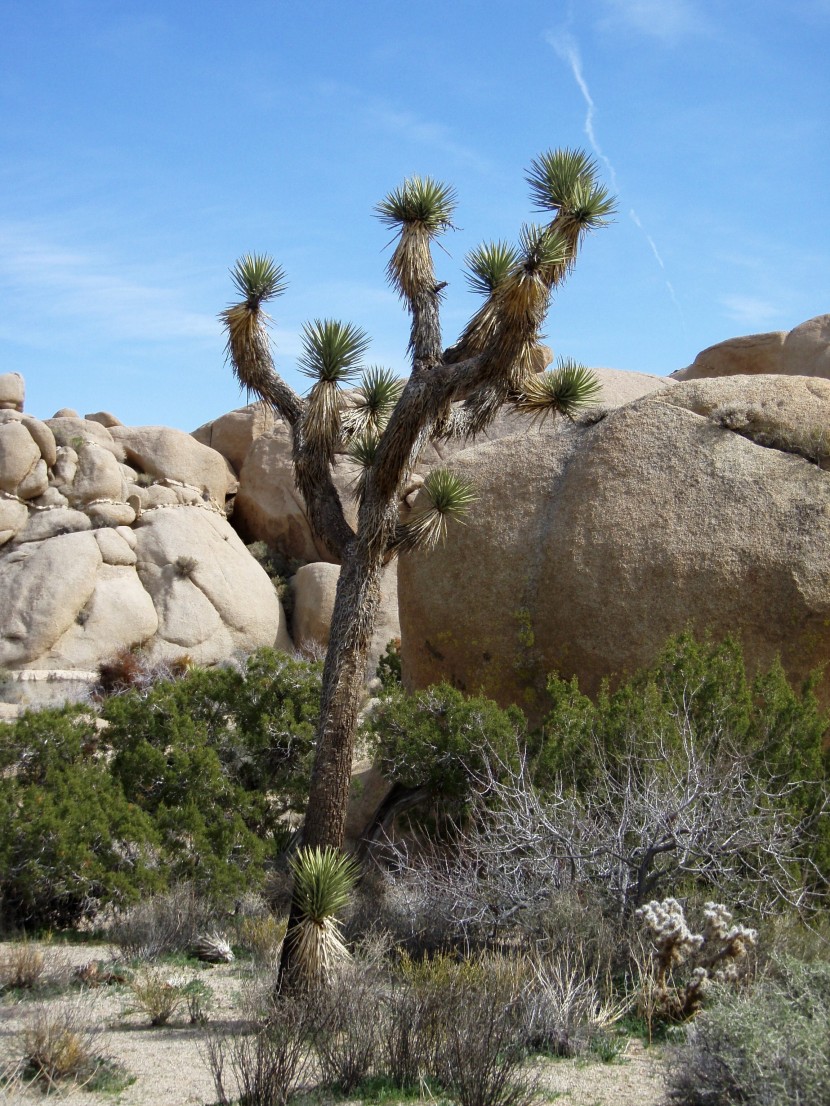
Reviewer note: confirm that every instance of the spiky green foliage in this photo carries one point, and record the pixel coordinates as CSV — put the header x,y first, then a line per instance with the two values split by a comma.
x,y
363,449
258,279
489,264
323,881
444,496
555,175
373,402
565,390
332,351
419,201
422,209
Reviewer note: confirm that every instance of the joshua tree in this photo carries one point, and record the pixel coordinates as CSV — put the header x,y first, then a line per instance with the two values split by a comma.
x,y
451,392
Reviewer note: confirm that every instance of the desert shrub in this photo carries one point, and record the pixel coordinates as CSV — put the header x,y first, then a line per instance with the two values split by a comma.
x,y
440,740
689,779
59,1045
389,666
262,935
698,693
682,966
27,966
769,1046
347,1029
158,993
71,839
218,758
265,1066
164,923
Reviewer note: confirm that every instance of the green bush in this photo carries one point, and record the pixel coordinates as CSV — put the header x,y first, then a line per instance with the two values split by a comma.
x,y
190,780
768,1047
70,837
698,692
441,739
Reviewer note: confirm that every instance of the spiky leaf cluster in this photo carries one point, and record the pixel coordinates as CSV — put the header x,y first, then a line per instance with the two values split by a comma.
x,y
489,264
332,351
565,390
258,279
419,201
323,880
444,496
565,182
421,208
373,402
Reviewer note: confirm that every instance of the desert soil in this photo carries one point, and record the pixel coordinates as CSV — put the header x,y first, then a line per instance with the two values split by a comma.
x,y
169,1068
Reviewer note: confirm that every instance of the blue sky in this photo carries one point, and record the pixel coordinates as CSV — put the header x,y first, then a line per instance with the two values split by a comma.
x,y
145,146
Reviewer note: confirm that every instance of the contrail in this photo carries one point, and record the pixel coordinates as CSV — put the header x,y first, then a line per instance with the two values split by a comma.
x,y
635,219
566,47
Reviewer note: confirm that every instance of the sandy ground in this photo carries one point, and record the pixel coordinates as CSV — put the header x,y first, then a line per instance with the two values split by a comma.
x,y
170,1070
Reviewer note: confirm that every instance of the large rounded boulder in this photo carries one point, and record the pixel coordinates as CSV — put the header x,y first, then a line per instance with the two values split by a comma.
x,y
705,505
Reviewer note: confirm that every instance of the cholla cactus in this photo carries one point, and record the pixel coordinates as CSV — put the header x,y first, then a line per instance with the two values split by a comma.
x,y
719,954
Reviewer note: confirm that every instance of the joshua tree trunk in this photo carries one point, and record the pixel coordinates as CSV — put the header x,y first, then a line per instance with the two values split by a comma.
x,y
454,392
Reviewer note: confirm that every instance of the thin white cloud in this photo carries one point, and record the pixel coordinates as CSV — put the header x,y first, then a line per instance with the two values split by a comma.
x,y
425,133
668,21
91,292
407,125
751,311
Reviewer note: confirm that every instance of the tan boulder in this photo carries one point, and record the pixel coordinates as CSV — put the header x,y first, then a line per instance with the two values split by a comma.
x,y
591,544
72,431
104,418
13,518
233,434
314,587
111,513
268,506
43,587
18,454
98,476
119,614
169,454
43,438
212,598
751,354
12,391
115,548
50,524
806,349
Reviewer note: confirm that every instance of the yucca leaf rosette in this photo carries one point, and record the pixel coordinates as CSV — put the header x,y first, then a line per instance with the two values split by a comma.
x,y
323,881
444,496
420,209
565,390
373,402
258,279
331,355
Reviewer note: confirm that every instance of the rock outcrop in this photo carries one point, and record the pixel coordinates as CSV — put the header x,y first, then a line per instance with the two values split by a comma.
x,y
314,587
98,554
703,505
803,351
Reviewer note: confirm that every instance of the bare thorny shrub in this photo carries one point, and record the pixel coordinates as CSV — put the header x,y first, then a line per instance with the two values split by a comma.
x,y
264,1066
164,923
659,817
